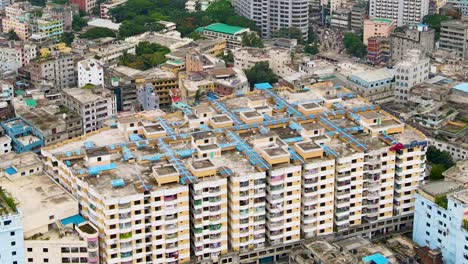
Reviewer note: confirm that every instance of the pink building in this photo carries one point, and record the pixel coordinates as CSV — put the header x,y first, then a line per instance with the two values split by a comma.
x,y
377,27
85,5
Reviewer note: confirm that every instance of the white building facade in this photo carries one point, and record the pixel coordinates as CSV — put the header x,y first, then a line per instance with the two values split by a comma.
x,y
409,72
272,16
90,71
402,11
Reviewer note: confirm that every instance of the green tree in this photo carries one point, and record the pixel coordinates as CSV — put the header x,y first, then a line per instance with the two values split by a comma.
x,y
67,38
260,73
148,55
354,45
79,23
436,172
228,57
12,35
195,35
38,2
434,21
251,39
290,33
436,156
312,49
98,32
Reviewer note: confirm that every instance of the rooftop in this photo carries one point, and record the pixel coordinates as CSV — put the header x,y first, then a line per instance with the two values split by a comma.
x,y
237,146
375,75
441,188
38,194
86,96
461,87
458,172
223,28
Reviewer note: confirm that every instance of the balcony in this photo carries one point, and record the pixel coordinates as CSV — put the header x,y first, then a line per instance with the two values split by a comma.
x,y
125,235
215,227
276,178
215,199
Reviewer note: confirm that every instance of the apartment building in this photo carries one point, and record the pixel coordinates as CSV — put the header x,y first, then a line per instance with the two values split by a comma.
x,y
5,142
277,58
341,18
453,37
90,71
108,50
108,5
232,34
441,221
409,72
86,6
407,12
57,68
376,85
377,27
11,230
358,14
14,55
378,51
94,105
273,16
55,123
240,173
405,38
17,18
48,28
53,230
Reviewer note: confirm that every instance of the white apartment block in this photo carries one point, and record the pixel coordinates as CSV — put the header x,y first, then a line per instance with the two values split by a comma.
x,y
14,55
458,151
277,58
5,145
404,12
6,91
409,72
272,16
95,105
90,71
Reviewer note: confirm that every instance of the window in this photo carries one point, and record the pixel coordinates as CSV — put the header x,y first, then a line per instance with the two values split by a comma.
x,y
12,233
30,259
46,260
45,250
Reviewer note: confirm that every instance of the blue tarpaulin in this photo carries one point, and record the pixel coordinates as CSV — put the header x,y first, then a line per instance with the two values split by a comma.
x,y
376,258
75,219
263,86
10,170
93,170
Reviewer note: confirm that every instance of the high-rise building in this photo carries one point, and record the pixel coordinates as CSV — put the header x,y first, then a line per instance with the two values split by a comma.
x,y
406,38
440,219
409,72
377,27
454,37
404,12
241,173
272,16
